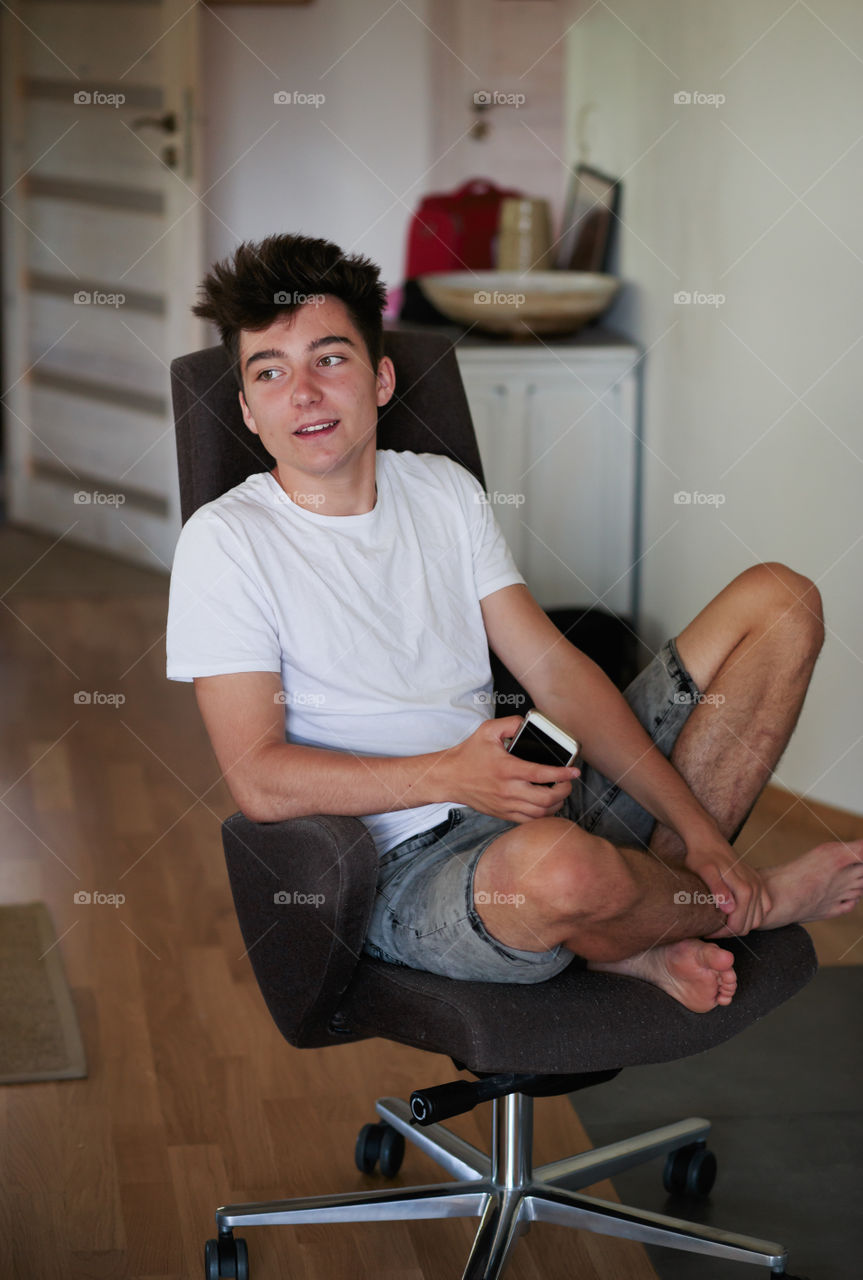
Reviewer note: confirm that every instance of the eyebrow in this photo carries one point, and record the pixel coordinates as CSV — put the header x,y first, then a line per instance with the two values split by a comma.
x,y
273,353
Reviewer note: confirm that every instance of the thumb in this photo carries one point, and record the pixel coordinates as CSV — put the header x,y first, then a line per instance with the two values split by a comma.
x,y
507,726
722,894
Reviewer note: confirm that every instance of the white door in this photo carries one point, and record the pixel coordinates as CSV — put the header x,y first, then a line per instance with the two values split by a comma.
x,y
102,253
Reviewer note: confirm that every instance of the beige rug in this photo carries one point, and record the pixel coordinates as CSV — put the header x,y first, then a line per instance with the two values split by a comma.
x,y
39,1036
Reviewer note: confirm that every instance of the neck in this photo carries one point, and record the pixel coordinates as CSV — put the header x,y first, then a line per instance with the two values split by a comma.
x,y
331,495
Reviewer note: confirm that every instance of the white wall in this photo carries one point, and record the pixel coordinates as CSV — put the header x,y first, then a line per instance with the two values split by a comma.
x,y
757,199
399,82
349,170
515,50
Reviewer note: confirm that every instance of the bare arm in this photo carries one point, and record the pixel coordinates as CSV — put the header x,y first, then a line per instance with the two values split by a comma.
x,y
271,779
577,694
573,691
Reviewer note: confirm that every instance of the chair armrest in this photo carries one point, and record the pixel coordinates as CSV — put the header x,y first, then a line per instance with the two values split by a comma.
x,y
303,891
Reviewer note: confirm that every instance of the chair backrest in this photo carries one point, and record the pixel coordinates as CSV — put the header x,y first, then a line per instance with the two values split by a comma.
x,y
215,450
304,958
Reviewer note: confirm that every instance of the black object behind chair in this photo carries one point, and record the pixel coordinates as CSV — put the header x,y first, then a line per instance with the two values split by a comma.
x,y
520,1041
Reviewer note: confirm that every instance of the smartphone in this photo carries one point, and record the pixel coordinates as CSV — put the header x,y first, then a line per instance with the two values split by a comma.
x,y
541,741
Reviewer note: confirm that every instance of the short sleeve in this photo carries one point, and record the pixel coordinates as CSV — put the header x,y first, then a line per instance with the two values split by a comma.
x,y
493,564
219,619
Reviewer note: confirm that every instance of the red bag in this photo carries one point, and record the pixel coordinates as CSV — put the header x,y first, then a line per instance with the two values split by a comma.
x,y
456,231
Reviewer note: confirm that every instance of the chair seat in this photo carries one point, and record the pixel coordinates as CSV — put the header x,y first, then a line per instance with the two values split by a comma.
x,y
579,1021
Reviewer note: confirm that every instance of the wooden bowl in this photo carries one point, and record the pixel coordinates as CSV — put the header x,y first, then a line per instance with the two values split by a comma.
x,y
520,303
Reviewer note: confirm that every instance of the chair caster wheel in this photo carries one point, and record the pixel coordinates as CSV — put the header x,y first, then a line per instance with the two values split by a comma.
x,y
690,1171
226,1257
379,1143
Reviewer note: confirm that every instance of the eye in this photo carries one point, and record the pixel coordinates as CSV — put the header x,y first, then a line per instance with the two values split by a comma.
x,y
264,375
337,358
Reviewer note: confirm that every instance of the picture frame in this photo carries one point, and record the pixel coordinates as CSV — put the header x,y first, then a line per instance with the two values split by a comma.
x,y
591,208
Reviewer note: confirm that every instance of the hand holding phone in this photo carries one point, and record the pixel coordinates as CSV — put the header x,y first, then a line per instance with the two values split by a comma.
x,y
476,773
541,741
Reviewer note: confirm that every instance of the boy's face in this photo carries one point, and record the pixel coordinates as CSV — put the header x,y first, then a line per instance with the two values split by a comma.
x,y
307,369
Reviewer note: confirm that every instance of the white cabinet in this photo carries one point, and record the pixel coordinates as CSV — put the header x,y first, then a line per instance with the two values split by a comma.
x,y
557,426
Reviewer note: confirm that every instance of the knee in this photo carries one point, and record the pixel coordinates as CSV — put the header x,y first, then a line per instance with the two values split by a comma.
x,y
788,601
575,876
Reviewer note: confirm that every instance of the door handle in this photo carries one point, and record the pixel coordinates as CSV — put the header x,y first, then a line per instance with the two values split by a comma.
x,y
167,122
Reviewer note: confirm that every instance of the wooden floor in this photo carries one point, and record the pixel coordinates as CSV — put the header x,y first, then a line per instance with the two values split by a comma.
x,y
193,1099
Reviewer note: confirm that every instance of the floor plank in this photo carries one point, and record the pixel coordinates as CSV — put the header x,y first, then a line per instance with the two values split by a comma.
x,y
193,1098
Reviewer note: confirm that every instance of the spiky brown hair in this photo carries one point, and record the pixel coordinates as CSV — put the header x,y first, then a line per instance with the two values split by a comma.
x,y
273,277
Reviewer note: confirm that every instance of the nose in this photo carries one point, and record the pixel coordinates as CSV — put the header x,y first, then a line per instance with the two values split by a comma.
x,y
305,389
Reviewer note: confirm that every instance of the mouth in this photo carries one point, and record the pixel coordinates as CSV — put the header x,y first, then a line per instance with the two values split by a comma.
x,y
318,429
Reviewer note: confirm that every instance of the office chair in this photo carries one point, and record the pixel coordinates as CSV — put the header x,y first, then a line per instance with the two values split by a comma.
x,y
522,1041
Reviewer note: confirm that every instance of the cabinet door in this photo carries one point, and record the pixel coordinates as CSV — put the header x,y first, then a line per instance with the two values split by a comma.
x,y
497,410
578,543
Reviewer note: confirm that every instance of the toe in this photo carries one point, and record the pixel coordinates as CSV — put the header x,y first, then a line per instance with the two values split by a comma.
x,y
718,958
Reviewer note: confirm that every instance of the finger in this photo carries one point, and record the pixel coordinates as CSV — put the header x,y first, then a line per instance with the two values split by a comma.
x,y
733,903
543,774
550,798
757,912
739,890
506,726
735,892
737,921
537,794
745,896
721,896
761,912
530,813
757,887
765,902
750,914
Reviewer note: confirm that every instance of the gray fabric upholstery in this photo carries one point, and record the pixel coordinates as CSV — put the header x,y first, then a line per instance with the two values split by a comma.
x,y
305,949
320,990
579,1021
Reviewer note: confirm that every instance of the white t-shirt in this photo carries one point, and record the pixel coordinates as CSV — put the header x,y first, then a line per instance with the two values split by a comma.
x,y
373,621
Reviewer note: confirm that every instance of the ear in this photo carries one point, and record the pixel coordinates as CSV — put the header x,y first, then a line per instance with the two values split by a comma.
x,y
247,415
385,383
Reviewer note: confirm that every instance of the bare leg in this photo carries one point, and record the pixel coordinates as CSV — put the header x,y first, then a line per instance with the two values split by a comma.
x,y
549,882
663,948
751,652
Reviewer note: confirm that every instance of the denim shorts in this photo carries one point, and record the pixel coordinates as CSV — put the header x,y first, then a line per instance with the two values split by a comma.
x,y
424,915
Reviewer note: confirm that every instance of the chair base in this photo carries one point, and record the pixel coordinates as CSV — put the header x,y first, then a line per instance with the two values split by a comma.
x,y
507,1194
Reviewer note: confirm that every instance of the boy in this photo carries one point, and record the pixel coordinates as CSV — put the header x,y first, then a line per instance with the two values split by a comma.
x,y
335,614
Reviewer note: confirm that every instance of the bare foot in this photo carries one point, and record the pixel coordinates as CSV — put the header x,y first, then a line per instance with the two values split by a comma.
x,y
823,883
698,974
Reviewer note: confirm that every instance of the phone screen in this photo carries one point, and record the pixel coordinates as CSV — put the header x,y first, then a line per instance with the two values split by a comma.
x,y
538,748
